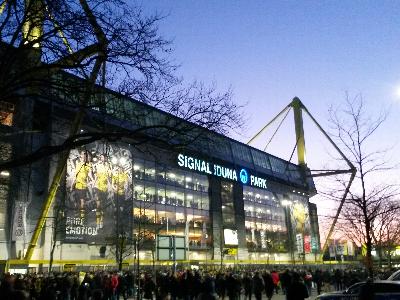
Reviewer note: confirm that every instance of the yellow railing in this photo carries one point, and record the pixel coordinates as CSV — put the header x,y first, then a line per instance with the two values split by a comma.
x,y
111,262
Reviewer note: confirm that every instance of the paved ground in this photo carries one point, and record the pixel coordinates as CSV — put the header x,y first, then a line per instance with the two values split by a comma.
x,y
282,297
275,297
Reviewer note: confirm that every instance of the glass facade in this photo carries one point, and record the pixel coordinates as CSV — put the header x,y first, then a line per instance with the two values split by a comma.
x,y
228,209
5,152
170,201
110,191
264,221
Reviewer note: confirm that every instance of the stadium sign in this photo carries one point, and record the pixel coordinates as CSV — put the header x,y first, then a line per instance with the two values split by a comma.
x,y
209,168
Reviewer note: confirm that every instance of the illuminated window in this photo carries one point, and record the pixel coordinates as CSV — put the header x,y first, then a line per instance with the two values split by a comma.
x,y
6,113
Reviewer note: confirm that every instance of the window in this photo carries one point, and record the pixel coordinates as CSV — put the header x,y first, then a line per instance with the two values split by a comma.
x,y
241,152
260,159
228,212
264,221
278,165
174,199
6,113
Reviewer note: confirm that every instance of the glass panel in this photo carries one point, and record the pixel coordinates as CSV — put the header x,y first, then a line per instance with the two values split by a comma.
x,y
138,191
220,147
180,254
180,242
138,169
205,204
163,241
278,165
180,200
264,221
261,159
149,173
241,152
228,213
163,254
150,192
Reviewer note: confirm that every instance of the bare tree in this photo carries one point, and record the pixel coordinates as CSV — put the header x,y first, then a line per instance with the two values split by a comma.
x,y
386,233
367,199
58,229
108,43
73,53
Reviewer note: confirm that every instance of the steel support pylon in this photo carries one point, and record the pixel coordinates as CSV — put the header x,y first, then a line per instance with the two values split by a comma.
x,y
298,109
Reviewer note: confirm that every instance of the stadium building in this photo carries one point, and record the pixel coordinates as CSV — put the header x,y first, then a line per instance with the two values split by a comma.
x,y
204,199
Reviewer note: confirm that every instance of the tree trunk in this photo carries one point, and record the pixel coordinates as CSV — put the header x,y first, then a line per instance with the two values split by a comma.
x,y
369,262
53,247
379,251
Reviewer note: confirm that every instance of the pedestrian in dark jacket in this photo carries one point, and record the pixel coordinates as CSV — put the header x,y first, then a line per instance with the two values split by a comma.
x,y
269,285
317,278
208,289
232,287
297,290
248,286
258,285
220,285
285,280
148,287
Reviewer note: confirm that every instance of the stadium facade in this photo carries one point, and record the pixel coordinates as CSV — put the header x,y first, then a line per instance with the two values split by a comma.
x,y
226,200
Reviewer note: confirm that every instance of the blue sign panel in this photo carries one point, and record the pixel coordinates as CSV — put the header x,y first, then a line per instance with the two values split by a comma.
x,y
244,177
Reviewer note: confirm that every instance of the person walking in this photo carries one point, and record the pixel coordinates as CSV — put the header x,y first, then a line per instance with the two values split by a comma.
x,y
317,278
275,279
285,280
308,281
297,290
149,287
258,285
114,286
248,286
269,285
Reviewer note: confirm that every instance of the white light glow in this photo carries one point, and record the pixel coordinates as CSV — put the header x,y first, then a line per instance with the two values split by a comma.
x,y
5,173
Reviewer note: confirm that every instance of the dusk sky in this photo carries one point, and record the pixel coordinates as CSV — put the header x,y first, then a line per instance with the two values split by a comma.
x,y
271,51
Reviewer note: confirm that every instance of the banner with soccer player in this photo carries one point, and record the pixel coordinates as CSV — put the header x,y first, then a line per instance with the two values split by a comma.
x,y
98,193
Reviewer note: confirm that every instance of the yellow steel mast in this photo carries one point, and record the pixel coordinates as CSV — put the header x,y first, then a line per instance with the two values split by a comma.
x,y
298,109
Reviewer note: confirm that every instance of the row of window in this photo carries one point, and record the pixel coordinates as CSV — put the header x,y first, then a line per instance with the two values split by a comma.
x,y
170,195
264,221
145,170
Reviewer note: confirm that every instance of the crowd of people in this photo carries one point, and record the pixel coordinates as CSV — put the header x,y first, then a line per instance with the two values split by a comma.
x,y
185,284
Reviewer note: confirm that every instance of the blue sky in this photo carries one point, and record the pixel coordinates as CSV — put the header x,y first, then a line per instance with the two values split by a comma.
x,y
271,51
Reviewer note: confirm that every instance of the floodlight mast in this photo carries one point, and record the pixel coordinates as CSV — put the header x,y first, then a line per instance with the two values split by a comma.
x,y
298,108
298,122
